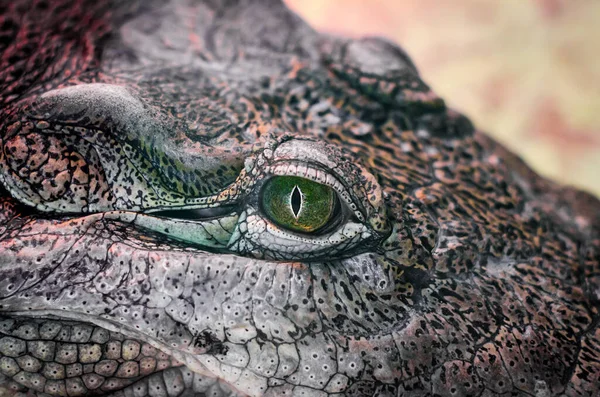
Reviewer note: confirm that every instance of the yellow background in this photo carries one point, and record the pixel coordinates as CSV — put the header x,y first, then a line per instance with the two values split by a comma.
x,y
525,71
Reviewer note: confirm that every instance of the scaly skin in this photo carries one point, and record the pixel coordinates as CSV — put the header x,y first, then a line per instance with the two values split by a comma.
x,y
456,271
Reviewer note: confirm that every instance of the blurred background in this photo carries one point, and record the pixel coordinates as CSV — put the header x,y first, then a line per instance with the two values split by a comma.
x,y
525,71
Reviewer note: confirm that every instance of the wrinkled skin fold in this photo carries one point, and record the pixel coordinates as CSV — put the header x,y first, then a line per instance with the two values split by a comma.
x,y
136,258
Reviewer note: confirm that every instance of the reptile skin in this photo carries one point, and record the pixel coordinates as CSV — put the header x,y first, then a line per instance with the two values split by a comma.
x,y
135,258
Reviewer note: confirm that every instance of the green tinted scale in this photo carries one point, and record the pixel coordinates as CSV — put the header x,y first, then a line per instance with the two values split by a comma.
x,y
298,204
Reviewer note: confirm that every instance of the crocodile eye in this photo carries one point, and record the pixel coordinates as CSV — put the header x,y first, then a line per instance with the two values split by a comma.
x,y
298,204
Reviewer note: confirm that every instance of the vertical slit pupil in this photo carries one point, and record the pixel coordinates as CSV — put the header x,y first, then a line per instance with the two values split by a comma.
x,y
296,201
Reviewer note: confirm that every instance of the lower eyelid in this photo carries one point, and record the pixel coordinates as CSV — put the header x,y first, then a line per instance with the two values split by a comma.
x,y
277,243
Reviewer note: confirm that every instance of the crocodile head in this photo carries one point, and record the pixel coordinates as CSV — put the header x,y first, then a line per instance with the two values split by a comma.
x,y
214,199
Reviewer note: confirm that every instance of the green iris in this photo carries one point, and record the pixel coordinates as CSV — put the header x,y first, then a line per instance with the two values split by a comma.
x,y
298,204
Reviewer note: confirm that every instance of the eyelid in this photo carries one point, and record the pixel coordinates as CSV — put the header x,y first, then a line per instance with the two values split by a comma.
x,y
277,243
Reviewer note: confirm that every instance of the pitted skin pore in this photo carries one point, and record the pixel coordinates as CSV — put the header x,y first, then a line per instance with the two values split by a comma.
x,y
457,271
